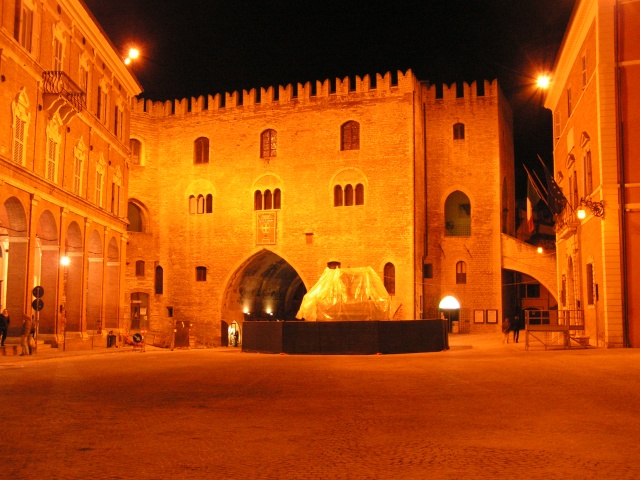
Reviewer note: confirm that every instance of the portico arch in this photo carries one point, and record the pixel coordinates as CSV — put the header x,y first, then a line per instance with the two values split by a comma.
x,y
46,266
264,287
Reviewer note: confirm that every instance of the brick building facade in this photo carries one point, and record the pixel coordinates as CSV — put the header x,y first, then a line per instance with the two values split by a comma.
x,y
239,201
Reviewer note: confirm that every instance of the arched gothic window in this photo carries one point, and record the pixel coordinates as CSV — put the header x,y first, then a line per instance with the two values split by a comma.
x,y
461,272
201,150
458,131
457,210
350,136
268,143
159,280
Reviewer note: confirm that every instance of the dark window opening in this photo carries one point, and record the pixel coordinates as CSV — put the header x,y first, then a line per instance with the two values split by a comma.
x,y
201,150
140,268
458,131
348,196
337,196
461,272
159,287
350,136
268,144
359,194
390,278
427,270
201,274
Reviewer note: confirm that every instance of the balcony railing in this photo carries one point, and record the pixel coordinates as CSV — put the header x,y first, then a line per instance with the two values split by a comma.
x,y
59,84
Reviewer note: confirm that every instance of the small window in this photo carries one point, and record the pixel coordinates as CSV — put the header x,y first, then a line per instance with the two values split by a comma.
x,y
208,207
457,209
461,272
277,200
390,278
193,205
348,196
201,150
427,270
200,204
257,200
140,268
588,173
268,200
201,274
569,104
563,290
585,77
159,280
337,196
359,194
590,285
350,136
268,142
458,131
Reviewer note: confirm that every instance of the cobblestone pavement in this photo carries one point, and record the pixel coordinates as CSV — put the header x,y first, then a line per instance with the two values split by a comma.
x,y
482,410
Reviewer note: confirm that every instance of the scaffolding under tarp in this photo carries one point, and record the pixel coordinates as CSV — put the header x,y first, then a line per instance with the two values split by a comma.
x,y
346,294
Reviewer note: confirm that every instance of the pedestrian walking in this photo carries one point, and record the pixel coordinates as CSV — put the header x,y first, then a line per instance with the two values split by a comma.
x,y
4,325
506,328
516,327
26,333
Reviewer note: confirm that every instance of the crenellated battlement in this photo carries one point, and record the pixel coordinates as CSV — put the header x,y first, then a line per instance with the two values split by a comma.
x,y
309,92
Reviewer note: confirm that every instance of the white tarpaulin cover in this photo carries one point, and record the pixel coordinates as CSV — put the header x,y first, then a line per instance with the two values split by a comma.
x,y
346,294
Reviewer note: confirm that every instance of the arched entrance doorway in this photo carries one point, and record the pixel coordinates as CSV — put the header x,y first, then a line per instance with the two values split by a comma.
x,y
265,287
46,267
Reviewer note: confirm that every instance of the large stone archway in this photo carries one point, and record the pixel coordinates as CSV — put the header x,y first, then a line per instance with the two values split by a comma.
x,y
46,268
264,287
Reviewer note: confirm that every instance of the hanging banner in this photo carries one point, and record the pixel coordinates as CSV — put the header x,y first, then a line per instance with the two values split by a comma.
x,y
266,228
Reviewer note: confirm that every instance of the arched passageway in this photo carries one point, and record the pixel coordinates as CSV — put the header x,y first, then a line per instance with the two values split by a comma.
x,y
14,242
95,270
73,285
265,287
46,268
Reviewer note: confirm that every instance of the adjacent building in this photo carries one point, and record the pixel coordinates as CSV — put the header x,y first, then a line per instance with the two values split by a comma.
x,y
594,98
65,102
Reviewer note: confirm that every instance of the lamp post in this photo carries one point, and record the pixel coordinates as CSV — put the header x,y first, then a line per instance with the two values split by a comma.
x,y
64,261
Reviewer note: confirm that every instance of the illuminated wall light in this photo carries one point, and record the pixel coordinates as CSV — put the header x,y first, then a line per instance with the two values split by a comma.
x,y
65,261
581,213
540,250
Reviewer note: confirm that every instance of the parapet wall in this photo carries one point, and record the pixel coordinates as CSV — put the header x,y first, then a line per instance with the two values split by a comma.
x,y
308,92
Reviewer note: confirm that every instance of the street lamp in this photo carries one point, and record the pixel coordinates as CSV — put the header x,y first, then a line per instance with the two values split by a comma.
x,y
543,82
133,54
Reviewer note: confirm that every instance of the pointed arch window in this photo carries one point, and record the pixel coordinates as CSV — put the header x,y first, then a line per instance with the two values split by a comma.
x,y
390,278
208,204
458,131
350,136
159,280
461,272
193,204
269,143
201,150
257,200
200,203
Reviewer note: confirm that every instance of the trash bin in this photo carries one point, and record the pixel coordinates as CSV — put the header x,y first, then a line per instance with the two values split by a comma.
x,y
111,339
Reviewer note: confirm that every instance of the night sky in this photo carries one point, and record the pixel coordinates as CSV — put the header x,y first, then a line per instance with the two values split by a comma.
x,y
199,48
